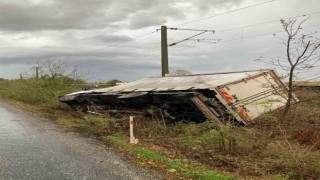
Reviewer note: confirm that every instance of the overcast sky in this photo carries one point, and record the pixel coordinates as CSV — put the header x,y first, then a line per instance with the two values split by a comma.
x,y
100,34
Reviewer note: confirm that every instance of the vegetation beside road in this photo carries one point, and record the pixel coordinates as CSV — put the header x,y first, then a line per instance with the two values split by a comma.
x,y
306,83
269,149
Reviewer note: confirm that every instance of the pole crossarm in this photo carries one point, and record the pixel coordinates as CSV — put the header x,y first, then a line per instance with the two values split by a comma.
x,y
184,29
173,44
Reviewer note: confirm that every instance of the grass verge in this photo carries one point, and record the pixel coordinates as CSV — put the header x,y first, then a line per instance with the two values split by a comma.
x,y
184,167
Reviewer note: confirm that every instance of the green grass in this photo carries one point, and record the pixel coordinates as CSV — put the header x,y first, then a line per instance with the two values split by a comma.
x,y
210,175
203,138
148,154
116,139
184,167
36,91
68,123
91,124
267,116
103,122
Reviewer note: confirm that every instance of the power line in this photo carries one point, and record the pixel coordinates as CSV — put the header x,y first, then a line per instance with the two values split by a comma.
x,y
247,37
140,36
254,5
230,40
137,37
170,29
227,30
201,40
223,31
263,23
218,40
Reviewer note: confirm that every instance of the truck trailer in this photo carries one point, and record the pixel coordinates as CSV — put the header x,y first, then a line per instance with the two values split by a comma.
x,y
234,97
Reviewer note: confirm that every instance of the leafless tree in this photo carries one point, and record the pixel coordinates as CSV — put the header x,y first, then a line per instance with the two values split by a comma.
x,y
58,67
78,72
38,67
302,54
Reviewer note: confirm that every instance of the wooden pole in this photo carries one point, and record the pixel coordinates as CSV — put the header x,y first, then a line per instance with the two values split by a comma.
x,y
164,51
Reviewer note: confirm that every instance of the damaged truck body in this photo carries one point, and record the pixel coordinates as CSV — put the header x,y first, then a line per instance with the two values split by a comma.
x,y
236,97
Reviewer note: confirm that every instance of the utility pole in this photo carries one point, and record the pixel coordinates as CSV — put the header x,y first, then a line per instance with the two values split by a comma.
x,y
164,51
164,45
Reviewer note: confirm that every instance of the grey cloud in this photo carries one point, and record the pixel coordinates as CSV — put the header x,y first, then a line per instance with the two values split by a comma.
x,y
94,19
128,69
208,5
145,19
93,14
146,13
51,15
99,67
111,38
103,55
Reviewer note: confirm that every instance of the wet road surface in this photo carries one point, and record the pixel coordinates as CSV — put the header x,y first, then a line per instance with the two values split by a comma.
x,y
33,148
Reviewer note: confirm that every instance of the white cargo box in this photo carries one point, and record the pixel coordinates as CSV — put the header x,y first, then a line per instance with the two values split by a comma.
x,y
245,95
250,97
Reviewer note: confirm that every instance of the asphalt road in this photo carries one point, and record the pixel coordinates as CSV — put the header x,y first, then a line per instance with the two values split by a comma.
x,y
34,148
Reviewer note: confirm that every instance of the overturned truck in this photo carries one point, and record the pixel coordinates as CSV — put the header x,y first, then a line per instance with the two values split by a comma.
x,y
235,97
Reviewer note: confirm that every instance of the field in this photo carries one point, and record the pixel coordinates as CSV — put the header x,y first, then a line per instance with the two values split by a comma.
x,y
268,149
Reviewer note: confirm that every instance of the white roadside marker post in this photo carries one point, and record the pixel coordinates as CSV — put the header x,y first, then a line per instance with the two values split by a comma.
x,y
133,140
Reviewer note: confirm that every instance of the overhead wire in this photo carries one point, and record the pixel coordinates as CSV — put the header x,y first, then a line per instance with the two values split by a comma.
x,y
246,37
260,24
218,41
143,35
235,10
258,4
273,33
175,43
140,36
231,29
137,37
186,39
